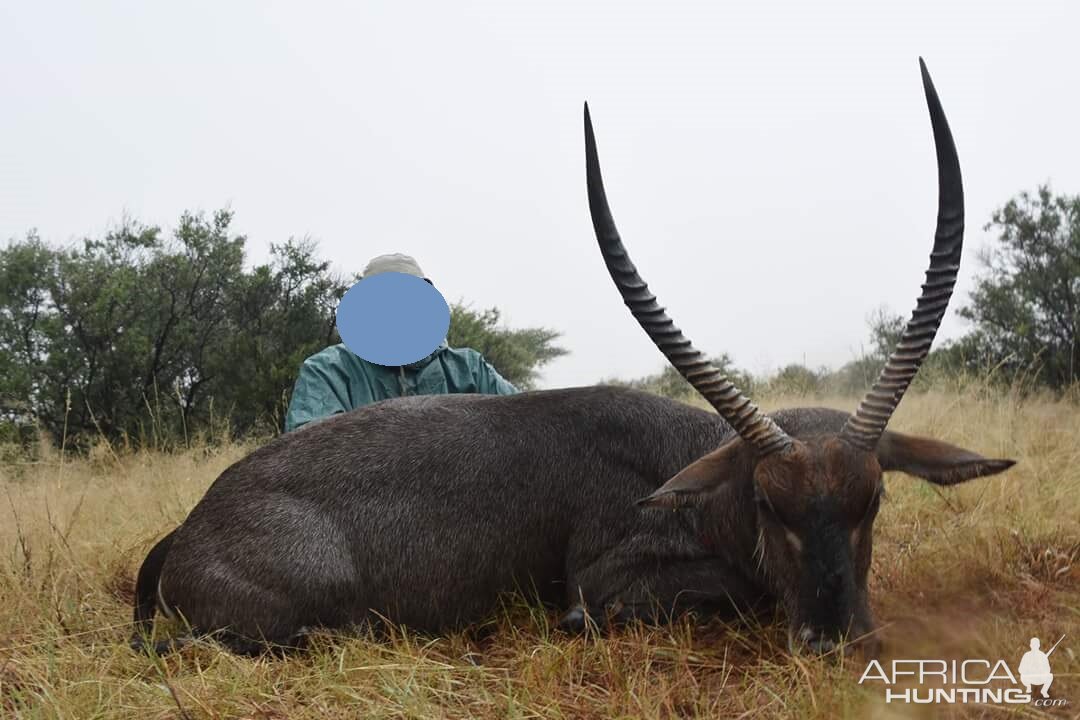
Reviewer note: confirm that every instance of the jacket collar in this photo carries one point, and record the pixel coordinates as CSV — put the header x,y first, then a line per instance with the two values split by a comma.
x,y
422,362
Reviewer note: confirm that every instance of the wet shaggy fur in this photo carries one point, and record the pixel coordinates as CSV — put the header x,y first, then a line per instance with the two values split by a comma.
x,y
423,510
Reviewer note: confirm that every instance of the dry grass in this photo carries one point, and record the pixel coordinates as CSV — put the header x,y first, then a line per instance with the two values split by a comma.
x,y
968,572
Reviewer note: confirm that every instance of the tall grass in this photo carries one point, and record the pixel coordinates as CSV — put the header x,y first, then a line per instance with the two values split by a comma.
x,y
972,571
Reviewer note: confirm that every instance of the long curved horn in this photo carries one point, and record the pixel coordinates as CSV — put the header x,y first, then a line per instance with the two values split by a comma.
x,y
752,425
865,427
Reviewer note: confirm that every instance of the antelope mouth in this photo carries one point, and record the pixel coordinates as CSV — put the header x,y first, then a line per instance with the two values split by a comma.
x,y
817,643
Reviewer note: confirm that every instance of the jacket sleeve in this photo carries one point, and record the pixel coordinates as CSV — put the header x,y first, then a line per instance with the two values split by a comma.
x,y
490,382
318,393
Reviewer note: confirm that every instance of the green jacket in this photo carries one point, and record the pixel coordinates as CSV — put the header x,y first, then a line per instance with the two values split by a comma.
x,y
335,380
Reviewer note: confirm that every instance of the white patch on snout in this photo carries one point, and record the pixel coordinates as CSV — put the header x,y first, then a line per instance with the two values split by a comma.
x,y
812,641
794,540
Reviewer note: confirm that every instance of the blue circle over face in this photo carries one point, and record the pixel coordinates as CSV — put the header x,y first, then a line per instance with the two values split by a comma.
x,y
393,319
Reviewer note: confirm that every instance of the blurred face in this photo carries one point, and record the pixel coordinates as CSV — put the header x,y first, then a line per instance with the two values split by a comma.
x,y
816,506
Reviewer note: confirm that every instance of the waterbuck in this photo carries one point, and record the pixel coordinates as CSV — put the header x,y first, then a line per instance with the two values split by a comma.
x,y
612,503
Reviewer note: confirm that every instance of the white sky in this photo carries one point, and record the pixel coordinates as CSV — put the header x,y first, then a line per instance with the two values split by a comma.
x,y
770,164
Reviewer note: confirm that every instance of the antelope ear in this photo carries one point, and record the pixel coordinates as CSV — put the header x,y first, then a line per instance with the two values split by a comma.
x,y
701,476
933,460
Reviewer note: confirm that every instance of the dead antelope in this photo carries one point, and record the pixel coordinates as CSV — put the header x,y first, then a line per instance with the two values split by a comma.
x,y
611,503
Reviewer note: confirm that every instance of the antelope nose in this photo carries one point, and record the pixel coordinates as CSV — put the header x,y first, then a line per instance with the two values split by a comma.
x,y
816,642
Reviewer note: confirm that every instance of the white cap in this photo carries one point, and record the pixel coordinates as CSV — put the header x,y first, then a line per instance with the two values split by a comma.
x,y
394,262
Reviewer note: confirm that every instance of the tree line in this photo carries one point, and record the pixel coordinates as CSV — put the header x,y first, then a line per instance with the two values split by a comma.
x,y
151,338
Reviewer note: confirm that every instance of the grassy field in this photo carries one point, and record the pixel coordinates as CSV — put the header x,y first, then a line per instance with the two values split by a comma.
x,y
973,571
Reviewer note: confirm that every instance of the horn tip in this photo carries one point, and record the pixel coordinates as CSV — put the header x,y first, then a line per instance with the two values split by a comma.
x,y
928,84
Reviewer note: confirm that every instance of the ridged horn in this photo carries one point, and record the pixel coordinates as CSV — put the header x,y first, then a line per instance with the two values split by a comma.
x,y
752,425
865,427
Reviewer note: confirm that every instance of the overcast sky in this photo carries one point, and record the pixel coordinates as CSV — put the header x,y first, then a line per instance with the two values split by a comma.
x,y
770,164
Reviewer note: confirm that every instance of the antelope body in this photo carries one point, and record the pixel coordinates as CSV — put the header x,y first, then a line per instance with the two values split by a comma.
x,y
611,503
